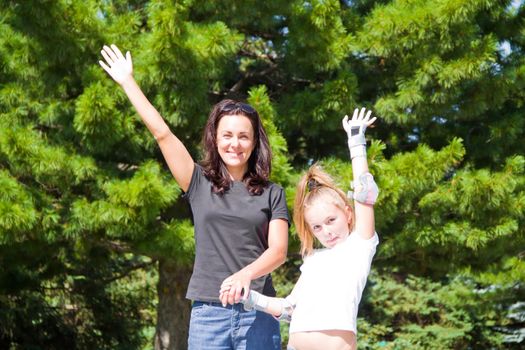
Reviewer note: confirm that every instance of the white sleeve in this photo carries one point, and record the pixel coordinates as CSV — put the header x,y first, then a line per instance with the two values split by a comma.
x,y
362,251
363,246
296,291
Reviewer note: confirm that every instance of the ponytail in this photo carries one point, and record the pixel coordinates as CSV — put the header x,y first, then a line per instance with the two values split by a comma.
x,y
315,185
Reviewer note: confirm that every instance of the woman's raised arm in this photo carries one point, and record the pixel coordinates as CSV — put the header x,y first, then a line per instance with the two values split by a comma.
x,y
120,68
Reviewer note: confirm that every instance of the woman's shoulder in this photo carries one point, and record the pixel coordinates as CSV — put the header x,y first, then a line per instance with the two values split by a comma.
x,y
199,173
272,186
202,172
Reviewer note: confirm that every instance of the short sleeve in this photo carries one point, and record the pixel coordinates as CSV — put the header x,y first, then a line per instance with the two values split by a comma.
x,y
296,291
195,182
279,210
358,240
363,250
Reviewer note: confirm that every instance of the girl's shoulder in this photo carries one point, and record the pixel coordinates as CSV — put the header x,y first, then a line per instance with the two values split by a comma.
x,y
356,238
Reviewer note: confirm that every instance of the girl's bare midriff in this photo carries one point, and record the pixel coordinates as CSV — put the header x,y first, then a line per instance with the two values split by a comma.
x,y
331,340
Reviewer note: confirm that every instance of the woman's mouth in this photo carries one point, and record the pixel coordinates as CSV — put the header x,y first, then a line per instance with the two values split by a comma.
x,y
235,154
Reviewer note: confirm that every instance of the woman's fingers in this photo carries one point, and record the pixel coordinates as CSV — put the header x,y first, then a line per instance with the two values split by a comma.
x,y
103,65
108,59
238,294
128,58
225,287
232,288
224,292
235,292
245,292
232,295
110,53
117,52
224,298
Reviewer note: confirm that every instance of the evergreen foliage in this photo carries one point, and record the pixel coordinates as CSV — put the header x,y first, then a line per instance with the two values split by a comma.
x,y
88,208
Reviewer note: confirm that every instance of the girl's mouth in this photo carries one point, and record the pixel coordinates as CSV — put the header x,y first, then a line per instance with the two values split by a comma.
x,y
332,240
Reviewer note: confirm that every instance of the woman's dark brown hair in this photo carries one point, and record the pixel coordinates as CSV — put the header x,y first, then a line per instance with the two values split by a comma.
x,y
260,162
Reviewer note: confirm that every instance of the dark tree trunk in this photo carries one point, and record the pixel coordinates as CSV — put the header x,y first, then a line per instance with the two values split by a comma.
x,y
173,310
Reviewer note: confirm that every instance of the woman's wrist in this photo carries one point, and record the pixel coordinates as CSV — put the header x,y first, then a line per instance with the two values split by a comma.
x,y
128,83
247,272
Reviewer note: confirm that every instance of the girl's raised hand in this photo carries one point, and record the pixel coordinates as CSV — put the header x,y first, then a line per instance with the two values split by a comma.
x,y
355,129
359,122
120,68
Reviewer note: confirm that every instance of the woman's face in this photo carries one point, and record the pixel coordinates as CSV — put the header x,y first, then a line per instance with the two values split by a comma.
x,y
235,142
328,222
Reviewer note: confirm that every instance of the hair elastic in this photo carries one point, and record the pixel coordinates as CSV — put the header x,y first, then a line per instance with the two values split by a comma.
x,y
312,184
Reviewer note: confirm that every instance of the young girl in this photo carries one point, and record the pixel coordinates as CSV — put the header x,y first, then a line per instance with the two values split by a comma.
x,y
323,304
240,217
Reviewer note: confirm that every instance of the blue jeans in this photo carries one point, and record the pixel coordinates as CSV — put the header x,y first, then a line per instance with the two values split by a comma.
x,y
213,326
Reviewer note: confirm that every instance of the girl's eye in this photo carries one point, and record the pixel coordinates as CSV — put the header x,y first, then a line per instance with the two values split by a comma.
x,y
330,220
316,228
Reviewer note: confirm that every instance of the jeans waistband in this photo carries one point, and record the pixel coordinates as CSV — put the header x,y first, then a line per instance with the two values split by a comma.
x,y
212,303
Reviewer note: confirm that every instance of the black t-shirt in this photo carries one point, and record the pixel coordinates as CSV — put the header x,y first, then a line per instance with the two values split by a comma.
x,y
231,231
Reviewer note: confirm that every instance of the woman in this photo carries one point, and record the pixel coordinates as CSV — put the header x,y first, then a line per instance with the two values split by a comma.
x,y
240,217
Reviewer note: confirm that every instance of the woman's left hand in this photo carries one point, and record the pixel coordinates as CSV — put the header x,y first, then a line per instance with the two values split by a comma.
x,y
234,287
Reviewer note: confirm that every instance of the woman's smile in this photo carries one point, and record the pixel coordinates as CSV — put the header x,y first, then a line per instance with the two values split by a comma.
x,y
235,143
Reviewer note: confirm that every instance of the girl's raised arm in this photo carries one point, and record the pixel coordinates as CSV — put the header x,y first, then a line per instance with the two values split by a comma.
x,y
365,189
120,68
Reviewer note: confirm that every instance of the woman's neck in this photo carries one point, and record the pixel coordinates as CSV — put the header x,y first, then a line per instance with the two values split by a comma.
x,y
236,174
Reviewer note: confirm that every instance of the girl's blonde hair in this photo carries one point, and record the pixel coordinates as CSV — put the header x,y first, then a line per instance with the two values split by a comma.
x,y
316,185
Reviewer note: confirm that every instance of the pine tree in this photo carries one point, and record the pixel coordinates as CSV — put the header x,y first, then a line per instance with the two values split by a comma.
x,y
96,243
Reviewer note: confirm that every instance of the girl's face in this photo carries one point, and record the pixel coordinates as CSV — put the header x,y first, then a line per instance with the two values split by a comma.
x,y
235,142
328,222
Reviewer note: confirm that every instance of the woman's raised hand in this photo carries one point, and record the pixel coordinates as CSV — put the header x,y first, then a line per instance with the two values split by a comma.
x,y
120,68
